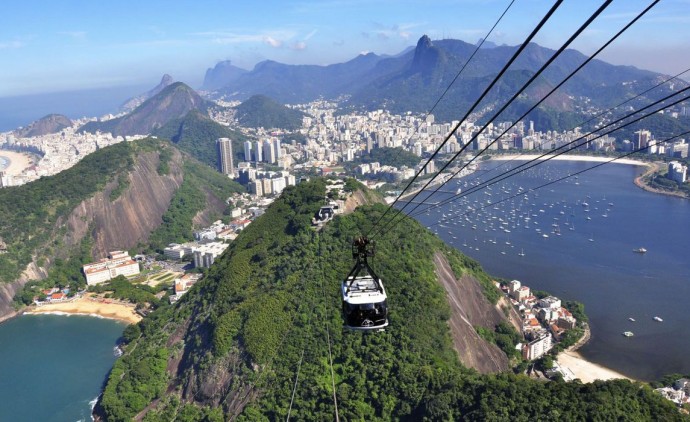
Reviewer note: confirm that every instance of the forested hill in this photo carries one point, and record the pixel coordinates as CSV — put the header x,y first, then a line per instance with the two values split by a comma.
x,y
196,134
231,348
144,193
261,111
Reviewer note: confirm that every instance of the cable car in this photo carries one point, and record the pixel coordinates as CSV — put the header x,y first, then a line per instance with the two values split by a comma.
x,y
365,304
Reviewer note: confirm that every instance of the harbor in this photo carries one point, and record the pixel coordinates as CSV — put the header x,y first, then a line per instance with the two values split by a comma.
x,y
580,239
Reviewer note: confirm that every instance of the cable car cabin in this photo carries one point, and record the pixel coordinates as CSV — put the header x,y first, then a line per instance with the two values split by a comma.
x,y
365,305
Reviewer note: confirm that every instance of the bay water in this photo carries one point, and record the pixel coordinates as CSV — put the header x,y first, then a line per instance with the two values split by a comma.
x,y
52,367
577,239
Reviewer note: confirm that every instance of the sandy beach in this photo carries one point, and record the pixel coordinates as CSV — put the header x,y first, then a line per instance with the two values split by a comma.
x,y
568,157
587,371
93,307
18,162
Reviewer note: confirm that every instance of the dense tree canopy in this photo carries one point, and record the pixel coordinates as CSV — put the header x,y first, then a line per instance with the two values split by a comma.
x,y
233,343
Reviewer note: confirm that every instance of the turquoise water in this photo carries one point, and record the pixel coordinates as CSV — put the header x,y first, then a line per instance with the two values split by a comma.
x,y
53,367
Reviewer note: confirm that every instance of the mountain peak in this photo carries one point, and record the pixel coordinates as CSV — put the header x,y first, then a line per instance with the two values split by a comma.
x,y
135,102
172,102
166,80
52,123
424,42
427,57
221,74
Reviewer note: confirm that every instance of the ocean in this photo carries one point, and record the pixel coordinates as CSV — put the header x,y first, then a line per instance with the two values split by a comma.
x,y
22,110
52,368
587,254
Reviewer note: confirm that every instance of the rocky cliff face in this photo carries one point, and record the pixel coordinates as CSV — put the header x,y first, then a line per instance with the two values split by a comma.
x,y
470,308
113,224
129,219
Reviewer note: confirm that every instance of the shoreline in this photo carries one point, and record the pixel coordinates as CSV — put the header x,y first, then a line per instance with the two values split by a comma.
x,y
587,371
18,162
86,306
566,157
641,182
651,168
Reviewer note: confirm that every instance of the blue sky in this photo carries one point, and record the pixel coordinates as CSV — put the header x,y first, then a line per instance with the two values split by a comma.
x,y
50,46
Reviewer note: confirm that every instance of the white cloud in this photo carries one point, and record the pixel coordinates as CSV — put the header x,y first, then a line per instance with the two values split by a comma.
x,y
272,41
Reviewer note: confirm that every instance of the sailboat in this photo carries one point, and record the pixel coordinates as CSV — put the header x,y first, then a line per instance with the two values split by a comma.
x,y
522,252
591,239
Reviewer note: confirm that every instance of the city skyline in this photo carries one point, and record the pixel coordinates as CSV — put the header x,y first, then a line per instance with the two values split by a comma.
x,y
69,46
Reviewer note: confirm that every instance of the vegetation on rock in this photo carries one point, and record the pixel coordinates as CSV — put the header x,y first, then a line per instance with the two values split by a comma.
x,y
232,344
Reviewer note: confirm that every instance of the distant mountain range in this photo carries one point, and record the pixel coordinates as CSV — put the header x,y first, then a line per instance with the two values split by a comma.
x,y
52,123
220,75
415,79
173,102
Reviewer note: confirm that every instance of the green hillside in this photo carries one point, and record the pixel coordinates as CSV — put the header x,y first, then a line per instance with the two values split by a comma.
x,y
34,215
232,346
262,111
196,134
30,212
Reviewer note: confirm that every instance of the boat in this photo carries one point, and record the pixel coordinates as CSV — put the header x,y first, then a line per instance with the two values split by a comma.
x,y
628,333
522,252
657,319
640,250
631,319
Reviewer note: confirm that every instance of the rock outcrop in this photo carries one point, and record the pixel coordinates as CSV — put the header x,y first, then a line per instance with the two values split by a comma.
x,y
121,223
129,219
470,308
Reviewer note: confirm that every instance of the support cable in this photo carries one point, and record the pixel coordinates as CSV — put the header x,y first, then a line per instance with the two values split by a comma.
x,y
505,106
524,45
549,155
568,176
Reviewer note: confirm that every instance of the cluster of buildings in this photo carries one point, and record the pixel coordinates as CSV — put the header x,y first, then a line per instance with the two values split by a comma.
x,y
57,152
116,264
53,295
679,392
644,139
209,243
265,183
544,321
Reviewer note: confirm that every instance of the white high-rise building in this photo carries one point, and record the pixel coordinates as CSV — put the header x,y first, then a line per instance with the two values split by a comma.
x,y
677,172
247,151
258,152
225,164
276,147
277,185
269,153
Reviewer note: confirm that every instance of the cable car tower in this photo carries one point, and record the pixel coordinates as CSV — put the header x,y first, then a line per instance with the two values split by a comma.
x,y
364,298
